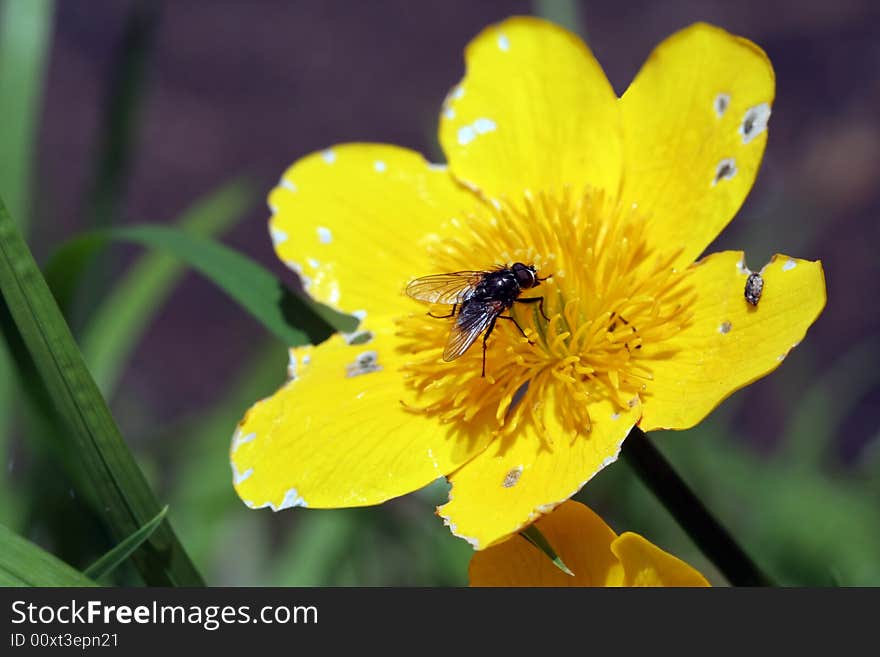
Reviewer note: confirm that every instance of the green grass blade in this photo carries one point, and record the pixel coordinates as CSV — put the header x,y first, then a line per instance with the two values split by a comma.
x,y
534,536
25,39
121,111
117,488
116,144
203,504
23,563
67,267
107,563
10,510
293,318
120,321
319,543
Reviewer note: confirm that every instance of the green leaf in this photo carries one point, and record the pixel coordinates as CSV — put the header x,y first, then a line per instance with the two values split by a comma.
x,y
116,142
292,317
121,110
117,487
534,536
23,563
25,39
321,540
124,550
118,324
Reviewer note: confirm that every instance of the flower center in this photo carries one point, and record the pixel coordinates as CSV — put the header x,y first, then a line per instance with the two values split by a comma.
x,y
609,294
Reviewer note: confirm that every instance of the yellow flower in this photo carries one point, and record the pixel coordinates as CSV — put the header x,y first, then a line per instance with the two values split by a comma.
x,y
613,197
591,550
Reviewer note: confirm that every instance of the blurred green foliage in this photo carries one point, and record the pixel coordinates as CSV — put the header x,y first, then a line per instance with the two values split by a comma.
x,y
25,39
24,564
85,434
804,516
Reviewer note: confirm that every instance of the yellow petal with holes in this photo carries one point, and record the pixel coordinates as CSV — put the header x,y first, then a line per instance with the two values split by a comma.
x,y
521,477
694,130
354,219
729,343
580,538
645,564
590,549
337,434
534,111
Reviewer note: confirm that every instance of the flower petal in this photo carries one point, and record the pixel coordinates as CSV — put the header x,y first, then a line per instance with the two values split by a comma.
x,y
518,478
694,130
729,343
590,549
353,221
337,434
534,111
579,536
645,564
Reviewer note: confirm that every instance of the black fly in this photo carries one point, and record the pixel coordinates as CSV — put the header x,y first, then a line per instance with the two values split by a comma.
x,y
478,299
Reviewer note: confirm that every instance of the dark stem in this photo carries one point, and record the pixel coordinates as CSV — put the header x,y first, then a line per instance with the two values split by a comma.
x,y
712,539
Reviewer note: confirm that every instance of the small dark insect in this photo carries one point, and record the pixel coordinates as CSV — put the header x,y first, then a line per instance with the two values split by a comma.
x,y
478,299
754,287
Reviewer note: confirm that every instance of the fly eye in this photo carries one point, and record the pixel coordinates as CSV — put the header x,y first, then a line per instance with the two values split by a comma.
x,y
525,277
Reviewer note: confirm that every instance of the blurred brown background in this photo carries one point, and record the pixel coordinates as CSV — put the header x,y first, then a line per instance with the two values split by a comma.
x,y
247,87
233,88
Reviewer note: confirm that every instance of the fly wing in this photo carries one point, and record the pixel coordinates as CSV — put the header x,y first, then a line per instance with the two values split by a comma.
x,y
455,287
473,319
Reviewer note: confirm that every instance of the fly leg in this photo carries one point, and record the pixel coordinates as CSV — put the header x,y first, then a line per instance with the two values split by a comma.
x,y
516,324
485,338
452,314
537,300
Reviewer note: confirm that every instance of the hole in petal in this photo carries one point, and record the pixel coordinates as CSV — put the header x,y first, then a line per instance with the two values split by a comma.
x,y
512,477
239,438
725,171
240,477
467,133
278,236
754,122
291,499
324,235
360,337
722,102
365,363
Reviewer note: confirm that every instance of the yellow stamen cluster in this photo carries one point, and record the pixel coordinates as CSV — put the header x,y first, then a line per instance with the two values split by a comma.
x,y
610,294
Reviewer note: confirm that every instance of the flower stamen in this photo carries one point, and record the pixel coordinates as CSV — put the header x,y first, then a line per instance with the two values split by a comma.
x,y
609,294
